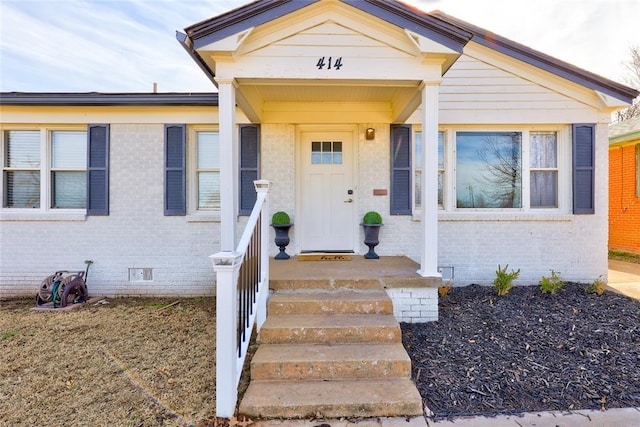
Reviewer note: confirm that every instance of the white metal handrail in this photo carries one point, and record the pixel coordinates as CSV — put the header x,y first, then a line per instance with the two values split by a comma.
x,y
242,283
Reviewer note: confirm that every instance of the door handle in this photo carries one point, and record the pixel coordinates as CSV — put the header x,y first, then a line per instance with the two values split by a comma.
x,y
349,201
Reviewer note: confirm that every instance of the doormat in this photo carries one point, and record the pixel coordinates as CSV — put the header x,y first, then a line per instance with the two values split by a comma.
x,y
324,257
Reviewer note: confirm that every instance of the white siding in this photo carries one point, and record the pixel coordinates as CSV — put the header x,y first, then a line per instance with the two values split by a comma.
x,y
473,91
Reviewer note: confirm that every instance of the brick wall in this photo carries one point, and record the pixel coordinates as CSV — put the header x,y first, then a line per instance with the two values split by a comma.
x,y
136,234
624,205
414,305
475,243
277,163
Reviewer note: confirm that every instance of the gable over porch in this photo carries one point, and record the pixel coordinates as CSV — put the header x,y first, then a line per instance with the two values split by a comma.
x,y
322,64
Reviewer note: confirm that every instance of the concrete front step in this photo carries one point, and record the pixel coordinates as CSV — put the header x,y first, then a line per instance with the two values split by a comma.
x,y
336,302
334,399
325,284
331,328
330,362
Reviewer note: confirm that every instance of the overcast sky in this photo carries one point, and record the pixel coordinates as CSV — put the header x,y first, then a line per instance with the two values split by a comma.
x,y
127,45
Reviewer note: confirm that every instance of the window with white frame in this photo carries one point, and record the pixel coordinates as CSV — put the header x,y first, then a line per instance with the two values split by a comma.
x,y
68,169
199,172
208,170
493,167
418,170
488,169
21,169
543,160
44,164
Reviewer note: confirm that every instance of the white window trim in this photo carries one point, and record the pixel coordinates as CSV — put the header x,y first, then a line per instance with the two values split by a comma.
x,y
450,212
417,211
45,212
193,213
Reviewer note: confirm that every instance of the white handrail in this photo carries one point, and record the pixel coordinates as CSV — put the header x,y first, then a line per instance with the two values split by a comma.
x,y
230,354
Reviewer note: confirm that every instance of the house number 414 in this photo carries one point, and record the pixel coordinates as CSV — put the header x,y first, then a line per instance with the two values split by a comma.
x,y
329,63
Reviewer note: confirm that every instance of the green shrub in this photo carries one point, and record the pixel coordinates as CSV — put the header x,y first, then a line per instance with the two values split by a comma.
x,y
372,218
280,218
503,280
550,285
597,287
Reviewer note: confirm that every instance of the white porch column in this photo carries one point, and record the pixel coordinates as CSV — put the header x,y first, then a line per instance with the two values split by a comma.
x,y
226,265
429,223
228,163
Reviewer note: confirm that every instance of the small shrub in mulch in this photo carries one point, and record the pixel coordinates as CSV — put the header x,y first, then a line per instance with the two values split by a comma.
x,y
527,351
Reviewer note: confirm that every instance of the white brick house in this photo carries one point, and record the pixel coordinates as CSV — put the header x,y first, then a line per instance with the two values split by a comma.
x,y
485,152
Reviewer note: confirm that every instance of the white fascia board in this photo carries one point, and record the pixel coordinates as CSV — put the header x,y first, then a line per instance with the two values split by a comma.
x,y
426,45
228,44
611,102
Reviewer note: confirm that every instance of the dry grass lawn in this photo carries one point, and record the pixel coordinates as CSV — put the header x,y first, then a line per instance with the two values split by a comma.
x,y
130,362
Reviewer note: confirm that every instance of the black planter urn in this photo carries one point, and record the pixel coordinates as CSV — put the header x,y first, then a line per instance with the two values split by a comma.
x,y
282,239
371,232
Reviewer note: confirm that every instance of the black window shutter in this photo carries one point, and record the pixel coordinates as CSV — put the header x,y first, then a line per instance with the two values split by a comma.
x,y
583,168
175,201
98,170
400,170
249,166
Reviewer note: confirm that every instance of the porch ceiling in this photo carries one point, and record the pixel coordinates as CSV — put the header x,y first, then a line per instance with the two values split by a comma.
x,y
401,96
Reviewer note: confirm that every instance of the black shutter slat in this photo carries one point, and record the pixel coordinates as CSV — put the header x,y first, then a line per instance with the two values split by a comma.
x,y
175,202
583,168
249,166
98,170
400,200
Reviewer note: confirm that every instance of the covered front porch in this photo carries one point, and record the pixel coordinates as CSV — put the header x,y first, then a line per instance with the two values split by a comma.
x,y
315,73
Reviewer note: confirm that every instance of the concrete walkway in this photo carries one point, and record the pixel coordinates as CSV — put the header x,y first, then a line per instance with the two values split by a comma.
x,y
624,278
623,417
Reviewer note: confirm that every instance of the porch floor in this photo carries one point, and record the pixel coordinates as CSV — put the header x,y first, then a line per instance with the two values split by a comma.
x,y
386,272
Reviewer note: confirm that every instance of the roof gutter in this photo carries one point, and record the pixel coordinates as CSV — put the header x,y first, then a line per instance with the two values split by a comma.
x,y
187,44
97,99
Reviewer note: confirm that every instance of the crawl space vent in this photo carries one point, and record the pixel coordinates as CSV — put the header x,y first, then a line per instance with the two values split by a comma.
x,y
140,274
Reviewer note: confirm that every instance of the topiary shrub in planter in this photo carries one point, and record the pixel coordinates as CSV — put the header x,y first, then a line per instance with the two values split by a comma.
x,y
371,222
281,224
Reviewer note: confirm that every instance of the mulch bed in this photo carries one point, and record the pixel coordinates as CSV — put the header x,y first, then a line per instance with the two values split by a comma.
x,y
527,351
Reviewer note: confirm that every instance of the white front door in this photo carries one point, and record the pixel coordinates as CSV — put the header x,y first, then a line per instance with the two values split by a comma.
x,y
327,194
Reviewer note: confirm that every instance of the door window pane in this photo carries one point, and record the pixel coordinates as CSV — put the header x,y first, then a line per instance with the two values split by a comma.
x,y
326,153
489,170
